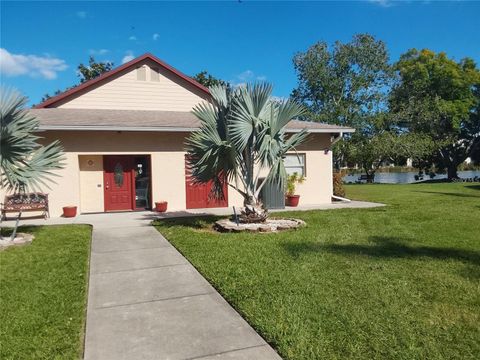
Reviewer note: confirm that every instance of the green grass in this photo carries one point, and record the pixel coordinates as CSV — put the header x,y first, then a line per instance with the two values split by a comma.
x,y
398,282
43,289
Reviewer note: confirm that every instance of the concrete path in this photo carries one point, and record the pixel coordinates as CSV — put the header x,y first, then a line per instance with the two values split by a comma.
x,y
146,301
146,217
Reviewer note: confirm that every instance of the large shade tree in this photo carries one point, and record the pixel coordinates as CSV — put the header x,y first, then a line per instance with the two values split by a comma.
x,y
439,98
347,84
25,164
242,140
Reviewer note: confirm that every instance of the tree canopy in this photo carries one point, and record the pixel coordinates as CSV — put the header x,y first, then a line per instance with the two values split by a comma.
x,y
208,80
348,84
93,69
343,84
439,98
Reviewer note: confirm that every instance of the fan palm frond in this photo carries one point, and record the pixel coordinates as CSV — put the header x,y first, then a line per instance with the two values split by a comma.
x,y
242,133
24,163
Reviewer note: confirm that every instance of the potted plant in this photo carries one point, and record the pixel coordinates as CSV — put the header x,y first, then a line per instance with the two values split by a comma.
x,y
69,211
161,206
291,199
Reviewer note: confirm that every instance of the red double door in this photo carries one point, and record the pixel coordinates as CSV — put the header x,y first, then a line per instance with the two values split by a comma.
x,y
198,195
119,186
119,183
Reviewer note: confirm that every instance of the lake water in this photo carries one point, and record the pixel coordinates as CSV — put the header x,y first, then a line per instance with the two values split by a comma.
x,y
406,177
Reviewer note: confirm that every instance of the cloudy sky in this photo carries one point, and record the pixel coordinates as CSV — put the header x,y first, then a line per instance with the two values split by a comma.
x,y
43,42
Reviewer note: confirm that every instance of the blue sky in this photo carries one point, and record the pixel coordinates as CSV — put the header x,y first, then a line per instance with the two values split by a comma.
x,y
43,42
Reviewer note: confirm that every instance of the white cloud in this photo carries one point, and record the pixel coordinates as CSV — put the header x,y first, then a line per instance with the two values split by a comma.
x,y
279,98
248,76
128,57
382,3
32,65
82,14
132,38
155,36
98,51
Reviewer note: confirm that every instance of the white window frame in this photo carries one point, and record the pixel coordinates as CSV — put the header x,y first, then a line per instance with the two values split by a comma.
x,y
303,166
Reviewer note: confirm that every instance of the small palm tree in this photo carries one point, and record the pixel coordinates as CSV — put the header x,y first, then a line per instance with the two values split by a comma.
x,y
242,136
24,163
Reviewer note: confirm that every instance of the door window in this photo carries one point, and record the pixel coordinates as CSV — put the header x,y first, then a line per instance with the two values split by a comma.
x,y
118,175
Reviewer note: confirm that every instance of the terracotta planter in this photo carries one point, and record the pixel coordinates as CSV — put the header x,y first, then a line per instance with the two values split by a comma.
x,y
292,200
161,206
69,211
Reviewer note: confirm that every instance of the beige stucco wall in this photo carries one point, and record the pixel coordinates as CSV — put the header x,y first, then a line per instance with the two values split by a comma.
x,y
125,92
318,186
64,191
91,183
78,184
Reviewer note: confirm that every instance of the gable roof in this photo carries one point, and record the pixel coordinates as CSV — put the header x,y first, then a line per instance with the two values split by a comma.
x,y
88,84
145,120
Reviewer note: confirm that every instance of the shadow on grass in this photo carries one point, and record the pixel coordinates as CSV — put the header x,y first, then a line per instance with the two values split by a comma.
x,y
473,187
385,247
7,231
194,222
447,193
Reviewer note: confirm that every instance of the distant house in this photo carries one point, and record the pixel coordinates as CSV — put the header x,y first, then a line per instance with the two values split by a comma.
x,y
124,134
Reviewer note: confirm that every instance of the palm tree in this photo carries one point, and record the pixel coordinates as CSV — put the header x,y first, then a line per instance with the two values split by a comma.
x,y
242,136
24,163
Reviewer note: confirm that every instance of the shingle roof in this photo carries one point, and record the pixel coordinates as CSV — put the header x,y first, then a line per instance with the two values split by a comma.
x,y
142,120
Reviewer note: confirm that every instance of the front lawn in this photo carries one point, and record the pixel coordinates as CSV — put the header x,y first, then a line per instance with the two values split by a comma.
x,y
398,282
43,294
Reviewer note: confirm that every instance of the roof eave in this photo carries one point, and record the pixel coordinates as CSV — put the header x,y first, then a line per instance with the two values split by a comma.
x,y
164,129
323,131
115,128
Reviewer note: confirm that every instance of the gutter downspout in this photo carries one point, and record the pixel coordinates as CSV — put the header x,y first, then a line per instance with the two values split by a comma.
x,y
335,140
341,198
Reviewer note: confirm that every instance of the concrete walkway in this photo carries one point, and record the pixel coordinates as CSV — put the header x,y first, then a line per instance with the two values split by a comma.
x,y
146,301
146,217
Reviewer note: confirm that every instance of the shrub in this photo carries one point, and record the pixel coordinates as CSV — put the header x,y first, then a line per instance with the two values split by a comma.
x,y
292,180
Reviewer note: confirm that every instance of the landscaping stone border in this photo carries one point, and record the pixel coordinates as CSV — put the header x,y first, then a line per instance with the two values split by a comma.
x,y
20,240
270,225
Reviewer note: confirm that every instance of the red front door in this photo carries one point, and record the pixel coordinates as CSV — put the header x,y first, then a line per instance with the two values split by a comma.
x,y
198,195
117,180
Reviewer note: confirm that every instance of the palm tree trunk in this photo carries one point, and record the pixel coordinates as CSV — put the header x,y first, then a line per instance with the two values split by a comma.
x,y
253,211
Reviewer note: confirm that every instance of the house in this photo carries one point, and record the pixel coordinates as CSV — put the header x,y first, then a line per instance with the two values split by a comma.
x,y
123,134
